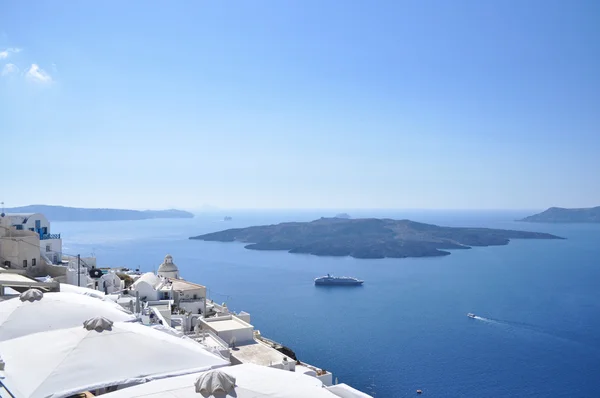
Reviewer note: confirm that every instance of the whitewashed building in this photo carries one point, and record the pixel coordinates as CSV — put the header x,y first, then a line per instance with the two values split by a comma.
x,y
168,285
19,248
50,243
230,329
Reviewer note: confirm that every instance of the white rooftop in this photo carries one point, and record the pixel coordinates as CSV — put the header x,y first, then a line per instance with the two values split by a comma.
x,y
257,353
73,360
251,381
147,277
223,325
183,285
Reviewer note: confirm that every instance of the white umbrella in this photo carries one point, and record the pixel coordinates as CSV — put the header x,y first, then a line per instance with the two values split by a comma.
x,y
251,381
214,381
34,311
101,354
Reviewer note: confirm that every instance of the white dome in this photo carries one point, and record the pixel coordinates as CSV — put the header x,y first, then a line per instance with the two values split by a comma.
x,y
151,279
168,269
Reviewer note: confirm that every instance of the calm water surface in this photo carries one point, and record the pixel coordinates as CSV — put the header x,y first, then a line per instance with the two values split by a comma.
x,y
406,328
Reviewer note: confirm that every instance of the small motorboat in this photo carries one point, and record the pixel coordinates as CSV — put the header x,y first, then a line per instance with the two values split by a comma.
x,y
471,315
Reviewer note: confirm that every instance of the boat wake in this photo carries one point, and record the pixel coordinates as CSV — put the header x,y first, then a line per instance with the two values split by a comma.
x,y
532,328
481,318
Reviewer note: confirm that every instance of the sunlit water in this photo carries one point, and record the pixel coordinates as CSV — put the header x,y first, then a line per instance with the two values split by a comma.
x,y
536,334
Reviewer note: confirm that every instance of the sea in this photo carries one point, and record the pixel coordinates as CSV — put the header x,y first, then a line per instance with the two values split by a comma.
x,y
537,302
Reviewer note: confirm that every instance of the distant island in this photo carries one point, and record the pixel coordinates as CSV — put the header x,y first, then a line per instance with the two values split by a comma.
x,y
367,237
562,215
61,213
343,215
227,218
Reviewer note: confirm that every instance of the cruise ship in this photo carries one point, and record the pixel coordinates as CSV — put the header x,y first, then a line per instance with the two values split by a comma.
x,y
337,280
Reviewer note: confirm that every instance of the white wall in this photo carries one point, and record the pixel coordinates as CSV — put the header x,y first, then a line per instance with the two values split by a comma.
x,y
17,249
37,216
146,290
188,294
18,220
110,283
52,248
244,316
71,277
192,306
326,379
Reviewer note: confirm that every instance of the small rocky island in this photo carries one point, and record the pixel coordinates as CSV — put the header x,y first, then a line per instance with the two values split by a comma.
x,y
62,213
562,215
367,237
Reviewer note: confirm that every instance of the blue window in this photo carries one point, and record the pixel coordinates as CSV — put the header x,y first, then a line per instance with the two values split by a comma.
x,y
38,224
19,227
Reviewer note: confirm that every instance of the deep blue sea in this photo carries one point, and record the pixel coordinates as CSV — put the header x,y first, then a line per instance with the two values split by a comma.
x,y
406,328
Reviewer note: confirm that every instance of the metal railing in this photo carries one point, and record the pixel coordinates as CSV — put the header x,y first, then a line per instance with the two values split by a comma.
x,y
49,236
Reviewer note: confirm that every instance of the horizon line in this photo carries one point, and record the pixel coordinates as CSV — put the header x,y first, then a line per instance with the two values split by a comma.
x,y
216,209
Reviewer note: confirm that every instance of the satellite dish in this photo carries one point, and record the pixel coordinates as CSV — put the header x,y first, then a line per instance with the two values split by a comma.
x,y
95,273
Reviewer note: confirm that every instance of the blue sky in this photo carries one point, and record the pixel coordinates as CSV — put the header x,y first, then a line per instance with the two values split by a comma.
x,y
301,104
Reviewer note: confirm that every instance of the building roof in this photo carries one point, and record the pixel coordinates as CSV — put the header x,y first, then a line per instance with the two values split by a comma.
x,y
13,277
149,278
226,323
77,359
54,311
258,354
22,216
183,285
25,215
251,381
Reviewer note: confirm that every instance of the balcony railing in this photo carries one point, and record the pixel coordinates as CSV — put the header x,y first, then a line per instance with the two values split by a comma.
x,y
49,236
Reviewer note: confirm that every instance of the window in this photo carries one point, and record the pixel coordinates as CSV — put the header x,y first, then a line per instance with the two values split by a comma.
x,y
24,263
19,227
7,263
47,248
195,296
33,262
44,231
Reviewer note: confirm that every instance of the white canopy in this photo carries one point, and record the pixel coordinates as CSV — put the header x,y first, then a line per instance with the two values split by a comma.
x,y
65,287
345,391
67,361
53,311
251,381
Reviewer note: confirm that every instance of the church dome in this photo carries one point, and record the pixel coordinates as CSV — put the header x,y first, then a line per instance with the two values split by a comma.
x,y
168,269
